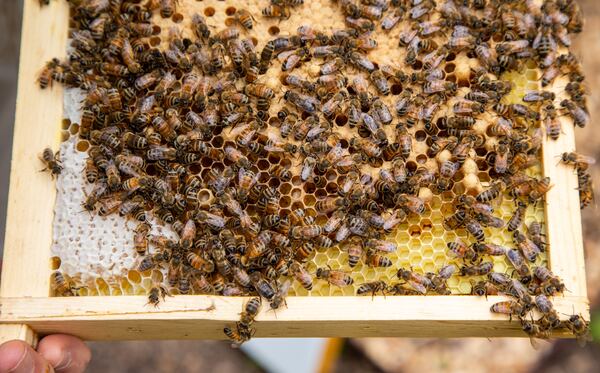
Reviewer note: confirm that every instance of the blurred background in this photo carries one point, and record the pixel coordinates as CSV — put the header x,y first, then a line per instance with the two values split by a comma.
x,y
355,355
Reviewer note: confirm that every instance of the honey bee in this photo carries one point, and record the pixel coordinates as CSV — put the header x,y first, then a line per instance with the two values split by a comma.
x,y
374,259
362,25
510,308
551,122
550,283
586,189
517,217
51,161
438,281
517,260
361,62
391,20
140,238
292,59
492,192
404,139
462,250
433,59
332,105
306,232
501,158
441,86
539,96
447,170
87,123
129,58
477,269
482,288
534,331
62,285
411,203
580,328
133,206
393,220
106,137
45,76
91,171
335,277
301,275
455,220
380,82
114,69
258,245
281,293
417,281
298,82
150,261
467,107
200,263
251,310
437,144
475,229
200,27
544,305
238,335
489,249
538,189
372,287
276,11
155,295
304,102
581,162
529,249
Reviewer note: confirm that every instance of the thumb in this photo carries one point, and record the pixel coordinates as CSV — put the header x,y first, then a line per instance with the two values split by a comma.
x,y
19,357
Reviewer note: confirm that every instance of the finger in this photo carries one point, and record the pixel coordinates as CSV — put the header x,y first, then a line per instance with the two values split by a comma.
x,y
19,357
67,354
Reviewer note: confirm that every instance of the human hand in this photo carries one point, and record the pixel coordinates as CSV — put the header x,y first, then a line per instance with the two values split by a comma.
x,y
55,353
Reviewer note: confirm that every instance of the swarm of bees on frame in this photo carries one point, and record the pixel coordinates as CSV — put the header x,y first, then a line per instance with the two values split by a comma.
x,y
154,113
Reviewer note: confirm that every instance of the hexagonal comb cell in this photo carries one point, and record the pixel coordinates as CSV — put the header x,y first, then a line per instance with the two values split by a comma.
x,y
421,240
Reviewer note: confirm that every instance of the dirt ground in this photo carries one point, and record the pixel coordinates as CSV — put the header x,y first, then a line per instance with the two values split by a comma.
x,y
184,356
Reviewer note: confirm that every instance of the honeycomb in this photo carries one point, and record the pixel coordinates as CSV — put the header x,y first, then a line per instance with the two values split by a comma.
x,y
97,251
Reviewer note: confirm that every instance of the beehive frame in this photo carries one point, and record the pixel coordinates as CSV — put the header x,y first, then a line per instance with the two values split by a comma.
x,y
26,310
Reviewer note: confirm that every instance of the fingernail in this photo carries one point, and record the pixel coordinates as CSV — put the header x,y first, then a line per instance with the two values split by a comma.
x,y
65,361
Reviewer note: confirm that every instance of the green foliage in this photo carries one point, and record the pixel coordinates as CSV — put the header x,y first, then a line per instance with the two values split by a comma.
x,y
595,326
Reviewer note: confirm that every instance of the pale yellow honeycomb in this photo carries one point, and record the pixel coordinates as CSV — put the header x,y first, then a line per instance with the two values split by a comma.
x,y
421,239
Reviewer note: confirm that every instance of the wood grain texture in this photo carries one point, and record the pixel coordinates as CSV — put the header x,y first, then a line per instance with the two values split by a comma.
x,y
189,317
563,215
25,270
21,332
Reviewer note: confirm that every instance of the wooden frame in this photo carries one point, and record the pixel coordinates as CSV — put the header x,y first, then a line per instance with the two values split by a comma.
x,y
26,309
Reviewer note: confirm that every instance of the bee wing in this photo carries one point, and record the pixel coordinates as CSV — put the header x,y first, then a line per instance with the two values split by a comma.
x,y
387,246
391,222
537,40
284,55
285,287
417,286
274,137
337,278
532,96
582,339
529,253
586,159
534,343
272,148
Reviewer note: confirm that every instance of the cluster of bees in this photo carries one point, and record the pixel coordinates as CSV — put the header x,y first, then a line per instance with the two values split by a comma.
x,y
152,113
